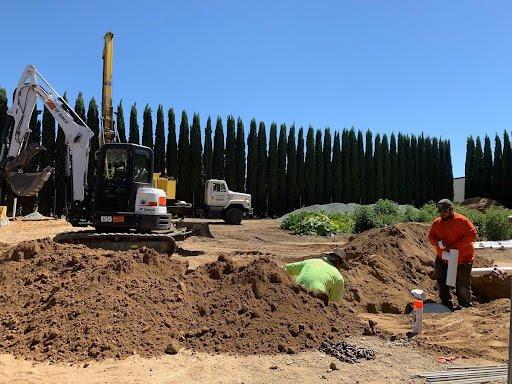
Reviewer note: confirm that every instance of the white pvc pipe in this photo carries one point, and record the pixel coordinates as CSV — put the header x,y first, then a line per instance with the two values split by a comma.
x,y
14,207
487,271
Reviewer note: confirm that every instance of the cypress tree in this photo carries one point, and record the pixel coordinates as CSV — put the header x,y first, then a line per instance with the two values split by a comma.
x,y
252,161
487,168
422,174
319,168
354,194
449,170
506,170
93,121
327,166
393,159
291,170
273,172
413,176
183,187
240,156
429,175
61,187
261,196
47,159
401,170
370,169
479,167
301,172
160,141
208,150
437,172
469,168
30,204
281,170
80,106
172,148
218,151
386,168
3,116
147,127
336,169
346,191
379,168
196,165
230,152
134,135
310,168
121,129
362,167
3,132
496,170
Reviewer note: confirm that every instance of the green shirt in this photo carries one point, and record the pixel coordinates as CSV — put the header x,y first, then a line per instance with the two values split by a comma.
x,y
317,275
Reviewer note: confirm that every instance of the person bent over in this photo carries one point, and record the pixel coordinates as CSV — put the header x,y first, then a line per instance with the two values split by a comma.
x,y
321,277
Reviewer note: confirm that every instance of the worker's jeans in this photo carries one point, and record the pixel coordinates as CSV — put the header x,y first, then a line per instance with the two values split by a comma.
x,y
462,286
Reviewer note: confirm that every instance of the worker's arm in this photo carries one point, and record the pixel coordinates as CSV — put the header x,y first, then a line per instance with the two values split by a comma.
x,y
336,290
432,235
294,268
470,234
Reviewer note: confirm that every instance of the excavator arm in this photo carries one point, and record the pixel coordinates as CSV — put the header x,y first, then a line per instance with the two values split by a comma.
x,y
77,137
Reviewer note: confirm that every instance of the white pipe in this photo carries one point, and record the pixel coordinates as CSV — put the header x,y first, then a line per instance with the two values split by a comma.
x,y
487,271
14,207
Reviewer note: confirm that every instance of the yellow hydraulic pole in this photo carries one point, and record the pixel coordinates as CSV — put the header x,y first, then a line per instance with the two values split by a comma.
x,y
108,133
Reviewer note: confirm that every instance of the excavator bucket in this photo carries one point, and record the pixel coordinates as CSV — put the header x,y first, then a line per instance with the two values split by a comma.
x,y
197,228
25,184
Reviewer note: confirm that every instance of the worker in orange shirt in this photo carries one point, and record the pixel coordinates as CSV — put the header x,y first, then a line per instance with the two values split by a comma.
x,y
453,231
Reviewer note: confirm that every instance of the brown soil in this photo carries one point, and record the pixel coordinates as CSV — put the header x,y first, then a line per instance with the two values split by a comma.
x,y
480,203
69,303
385,264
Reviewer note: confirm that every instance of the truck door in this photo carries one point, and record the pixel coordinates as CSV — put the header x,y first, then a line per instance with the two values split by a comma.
x,y
219,194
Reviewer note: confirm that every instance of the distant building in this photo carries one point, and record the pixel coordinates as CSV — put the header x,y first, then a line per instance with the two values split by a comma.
x,y
458,189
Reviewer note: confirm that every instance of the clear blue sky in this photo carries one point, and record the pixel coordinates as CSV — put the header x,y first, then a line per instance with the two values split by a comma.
x,y
439,67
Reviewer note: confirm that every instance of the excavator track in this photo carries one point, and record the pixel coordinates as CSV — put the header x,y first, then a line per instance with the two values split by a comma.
x,y
163,242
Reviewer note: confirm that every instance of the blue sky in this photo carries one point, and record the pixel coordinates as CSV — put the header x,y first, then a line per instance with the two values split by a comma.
x,y
442,68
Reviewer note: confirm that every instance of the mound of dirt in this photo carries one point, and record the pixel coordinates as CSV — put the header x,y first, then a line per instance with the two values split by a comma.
x,y
70,303
385,264
480,203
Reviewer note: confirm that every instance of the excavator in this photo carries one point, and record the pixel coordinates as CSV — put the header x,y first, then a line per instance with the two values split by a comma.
x,y
122,206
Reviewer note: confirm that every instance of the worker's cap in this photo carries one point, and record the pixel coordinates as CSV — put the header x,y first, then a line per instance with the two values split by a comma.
x,y
334,256
444,204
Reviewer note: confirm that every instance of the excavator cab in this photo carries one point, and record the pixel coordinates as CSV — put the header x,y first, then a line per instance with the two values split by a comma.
x,y
121,170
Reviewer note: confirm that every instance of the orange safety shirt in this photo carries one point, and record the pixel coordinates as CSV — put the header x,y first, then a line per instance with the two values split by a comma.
x,y
458,232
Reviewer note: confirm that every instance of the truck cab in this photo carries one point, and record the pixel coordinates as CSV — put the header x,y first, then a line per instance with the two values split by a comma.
x,y
230,205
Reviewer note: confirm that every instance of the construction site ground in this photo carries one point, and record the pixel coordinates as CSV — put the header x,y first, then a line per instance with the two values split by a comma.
x,y
377,289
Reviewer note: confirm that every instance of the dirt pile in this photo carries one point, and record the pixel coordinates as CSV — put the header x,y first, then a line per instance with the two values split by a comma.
x,y
480,203
385,264
70,303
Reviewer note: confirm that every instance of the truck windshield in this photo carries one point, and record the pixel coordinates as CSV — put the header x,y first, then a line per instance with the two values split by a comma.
x,y
218,187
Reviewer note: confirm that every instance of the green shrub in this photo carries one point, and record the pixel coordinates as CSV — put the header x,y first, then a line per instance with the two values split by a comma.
x,y
427,213
292,222
410,214
365,218
496,225
386,208
314,223
319,224
344,222
476,217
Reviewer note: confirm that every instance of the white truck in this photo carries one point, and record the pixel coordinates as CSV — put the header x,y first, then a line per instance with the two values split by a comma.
x,y
219,202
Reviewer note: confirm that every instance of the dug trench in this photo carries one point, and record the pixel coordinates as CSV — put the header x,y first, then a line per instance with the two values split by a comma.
x,y
70,303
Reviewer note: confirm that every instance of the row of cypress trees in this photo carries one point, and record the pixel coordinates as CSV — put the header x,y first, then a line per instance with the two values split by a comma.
x,y
282,169
488,175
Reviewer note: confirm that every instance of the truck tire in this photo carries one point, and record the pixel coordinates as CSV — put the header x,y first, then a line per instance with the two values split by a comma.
x,y
233,216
